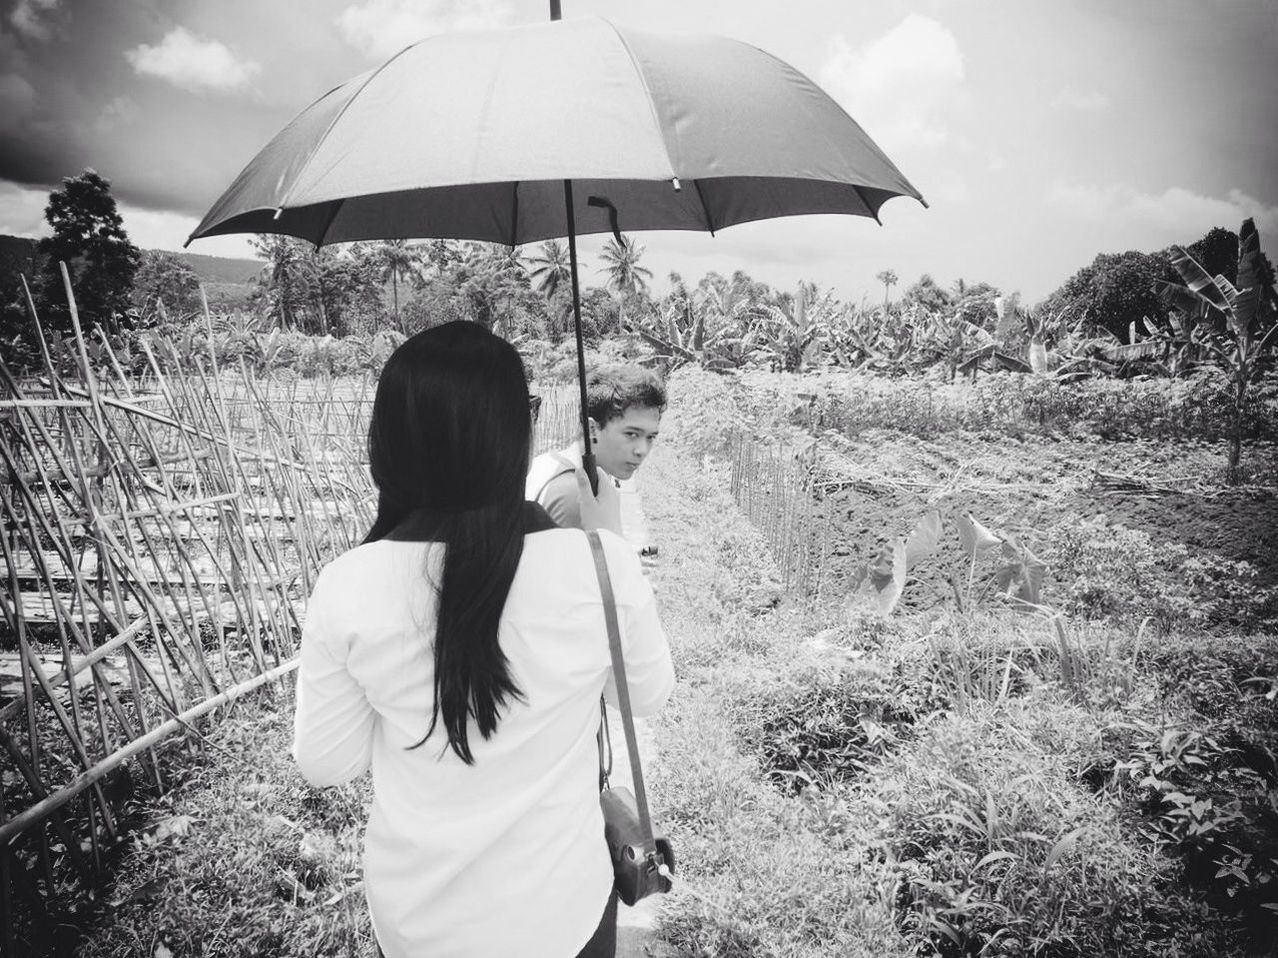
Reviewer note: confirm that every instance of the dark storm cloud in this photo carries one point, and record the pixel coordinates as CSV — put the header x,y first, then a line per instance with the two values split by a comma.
x,y
167,101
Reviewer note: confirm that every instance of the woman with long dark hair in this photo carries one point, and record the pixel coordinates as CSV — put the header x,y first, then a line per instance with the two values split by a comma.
x,y
460,653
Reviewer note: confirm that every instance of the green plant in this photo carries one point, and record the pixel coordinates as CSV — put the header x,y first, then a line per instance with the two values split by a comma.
x,y
1206,803
997,852
821,725
1248,311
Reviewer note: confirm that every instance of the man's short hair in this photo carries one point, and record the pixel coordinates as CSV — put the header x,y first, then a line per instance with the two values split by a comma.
x,y
611,390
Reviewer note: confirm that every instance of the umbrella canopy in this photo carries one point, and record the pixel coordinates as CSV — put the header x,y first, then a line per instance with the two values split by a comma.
x,y
558,129
471,136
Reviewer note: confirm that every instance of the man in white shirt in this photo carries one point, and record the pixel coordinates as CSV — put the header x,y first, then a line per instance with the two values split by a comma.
x,y
624,403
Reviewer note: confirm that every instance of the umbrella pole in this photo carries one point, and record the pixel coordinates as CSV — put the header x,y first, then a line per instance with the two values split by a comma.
x,y
587,453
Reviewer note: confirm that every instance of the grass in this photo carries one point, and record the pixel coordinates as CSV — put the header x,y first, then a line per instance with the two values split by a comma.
x,y
242,857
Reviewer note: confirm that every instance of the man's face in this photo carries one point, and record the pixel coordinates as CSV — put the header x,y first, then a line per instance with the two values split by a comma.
x,y
625,442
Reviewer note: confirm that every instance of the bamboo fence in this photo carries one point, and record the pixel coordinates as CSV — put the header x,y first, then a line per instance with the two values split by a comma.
x,y
773,485
160,536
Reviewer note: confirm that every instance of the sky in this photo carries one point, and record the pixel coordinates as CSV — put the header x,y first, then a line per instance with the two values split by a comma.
x,y
1041,132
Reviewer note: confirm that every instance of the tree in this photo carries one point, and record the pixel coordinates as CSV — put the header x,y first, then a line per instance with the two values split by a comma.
x,y
974,303
492,283
89,236
626,279
1119,289
888,279
398,260
286,279
550,268
168,278
928,295
350,287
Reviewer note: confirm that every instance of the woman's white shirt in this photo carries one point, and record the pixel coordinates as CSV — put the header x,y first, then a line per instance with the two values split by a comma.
x,y
504,857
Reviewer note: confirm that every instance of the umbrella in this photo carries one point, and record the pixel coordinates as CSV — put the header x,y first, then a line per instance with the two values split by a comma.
x,y
559,129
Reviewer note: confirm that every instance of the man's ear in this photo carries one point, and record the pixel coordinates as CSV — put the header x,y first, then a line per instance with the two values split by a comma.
x,y
595,428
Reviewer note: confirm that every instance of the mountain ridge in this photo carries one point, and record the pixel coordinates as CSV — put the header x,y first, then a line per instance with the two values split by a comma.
x,y
17,254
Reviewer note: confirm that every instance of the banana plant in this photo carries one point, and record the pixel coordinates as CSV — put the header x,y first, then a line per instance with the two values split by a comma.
x,y
1248,312
796,332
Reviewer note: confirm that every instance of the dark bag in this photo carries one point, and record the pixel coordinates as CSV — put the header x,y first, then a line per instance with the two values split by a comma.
x,y
637,855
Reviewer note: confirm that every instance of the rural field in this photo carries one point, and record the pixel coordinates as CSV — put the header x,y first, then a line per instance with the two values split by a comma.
x,y
965,668
973,605
964,502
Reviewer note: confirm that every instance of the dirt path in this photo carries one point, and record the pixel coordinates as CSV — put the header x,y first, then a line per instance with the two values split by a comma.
x,y
696,588
636,927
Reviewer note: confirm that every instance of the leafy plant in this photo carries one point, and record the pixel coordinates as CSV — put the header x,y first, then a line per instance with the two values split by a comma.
x,y
1017,578
1248,310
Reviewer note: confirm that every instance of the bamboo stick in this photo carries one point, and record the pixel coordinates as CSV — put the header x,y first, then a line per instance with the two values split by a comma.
x,y
41,810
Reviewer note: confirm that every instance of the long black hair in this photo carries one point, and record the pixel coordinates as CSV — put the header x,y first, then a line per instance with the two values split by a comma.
x,y
448,447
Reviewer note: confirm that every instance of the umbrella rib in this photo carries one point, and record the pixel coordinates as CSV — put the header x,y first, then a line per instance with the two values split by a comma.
x,y
705,207
323,236
868,208
332,123
514,215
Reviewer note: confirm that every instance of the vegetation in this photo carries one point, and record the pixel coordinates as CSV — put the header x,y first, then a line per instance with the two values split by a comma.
x,y
973,622
88,236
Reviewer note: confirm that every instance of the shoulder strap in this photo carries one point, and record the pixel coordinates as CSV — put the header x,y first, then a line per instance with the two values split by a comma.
x,y
563,467
619,675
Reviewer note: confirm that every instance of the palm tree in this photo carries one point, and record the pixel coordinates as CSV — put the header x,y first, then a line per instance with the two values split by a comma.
x,y
888,279
626,278
398,259
550,267
285,276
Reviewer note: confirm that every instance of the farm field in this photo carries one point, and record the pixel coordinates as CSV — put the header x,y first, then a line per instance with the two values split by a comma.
x,y
962,776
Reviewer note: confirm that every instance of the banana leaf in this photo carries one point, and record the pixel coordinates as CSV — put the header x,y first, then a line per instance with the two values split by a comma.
x,y
1198,280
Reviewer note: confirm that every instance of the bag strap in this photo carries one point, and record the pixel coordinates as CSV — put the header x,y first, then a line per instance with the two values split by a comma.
x,y
623,687
565,467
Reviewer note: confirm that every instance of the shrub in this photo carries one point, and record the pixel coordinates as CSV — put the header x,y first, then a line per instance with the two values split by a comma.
x,y
1109,570
822,724
998,851
1211,798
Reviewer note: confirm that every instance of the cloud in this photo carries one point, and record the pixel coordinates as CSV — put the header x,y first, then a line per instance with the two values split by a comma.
x,y
904,87
120,111
17,96
1090,101
22,210
165,229
1176,209
380,28
187,61
22,214
32,18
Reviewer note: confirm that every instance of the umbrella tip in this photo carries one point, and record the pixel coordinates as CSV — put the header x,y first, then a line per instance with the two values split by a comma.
x,y
279,211
675,183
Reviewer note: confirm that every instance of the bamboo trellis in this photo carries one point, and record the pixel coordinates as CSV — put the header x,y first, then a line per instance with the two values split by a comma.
x,y
160,536
773,486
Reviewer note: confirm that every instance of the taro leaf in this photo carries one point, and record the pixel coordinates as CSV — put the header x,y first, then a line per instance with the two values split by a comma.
x,y
1022,575
924,539
974,537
